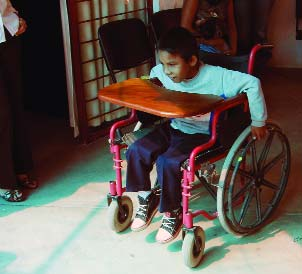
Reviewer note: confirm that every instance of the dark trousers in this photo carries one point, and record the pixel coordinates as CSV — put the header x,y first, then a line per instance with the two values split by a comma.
x,y
15,152
167,148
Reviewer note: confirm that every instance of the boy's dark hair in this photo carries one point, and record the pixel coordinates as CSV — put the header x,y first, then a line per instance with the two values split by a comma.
x,y
180,41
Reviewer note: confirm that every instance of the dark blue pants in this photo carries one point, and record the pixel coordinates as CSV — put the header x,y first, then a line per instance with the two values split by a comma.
x,y
167,148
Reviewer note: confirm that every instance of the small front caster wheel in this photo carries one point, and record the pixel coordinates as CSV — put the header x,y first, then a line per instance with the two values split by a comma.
x,y
120,213
193,247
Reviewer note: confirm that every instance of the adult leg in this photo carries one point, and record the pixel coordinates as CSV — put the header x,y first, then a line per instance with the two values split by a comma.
x,y
13,77
7,174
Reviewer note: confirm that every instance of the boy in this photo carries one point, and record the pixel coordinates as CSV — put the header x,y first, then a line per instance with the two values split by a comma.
x,y
170,144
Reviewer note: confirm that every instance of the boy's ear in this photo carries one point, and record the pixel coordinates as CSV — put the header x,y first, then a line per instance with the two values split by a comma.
x,y
193,60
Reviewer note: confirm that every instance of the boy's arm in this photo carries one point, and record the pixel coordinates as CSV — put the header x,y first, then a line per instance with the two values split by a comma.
x,y
236,82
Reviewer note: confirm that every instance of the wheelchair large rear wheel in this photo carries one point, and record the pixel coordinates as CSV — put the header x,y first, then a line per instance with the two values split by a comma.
x,y
252,181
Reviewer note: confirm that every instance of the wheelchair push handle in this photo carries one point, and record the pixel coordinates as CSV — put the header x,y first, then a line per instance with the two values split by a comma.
x,y
253,54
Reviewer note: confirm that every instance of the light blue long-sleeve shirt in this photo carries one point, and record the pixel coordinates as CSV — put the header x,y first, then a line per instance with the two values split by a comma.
x,y
217,81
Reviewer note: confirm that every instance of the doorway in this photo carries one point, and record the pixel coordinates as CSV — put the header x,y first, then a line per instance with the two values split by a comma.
x,y
43,58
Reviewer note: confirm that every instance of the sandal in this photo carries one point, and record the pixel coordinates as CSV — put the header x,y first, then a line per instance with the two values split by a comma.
x,y
13,195
25,181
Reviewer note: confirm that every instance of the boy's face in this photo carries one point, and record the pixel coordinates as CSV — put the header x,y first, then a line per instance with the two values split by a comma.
x,y
176,68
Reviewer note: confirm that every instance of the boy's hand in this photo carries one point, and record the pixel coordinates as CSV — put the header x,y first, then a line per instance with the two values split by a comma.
x,y
259,132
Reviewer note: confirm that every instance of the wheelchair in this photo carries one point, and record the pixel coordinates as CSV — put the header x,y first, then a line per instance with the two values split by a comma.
x,y
247,187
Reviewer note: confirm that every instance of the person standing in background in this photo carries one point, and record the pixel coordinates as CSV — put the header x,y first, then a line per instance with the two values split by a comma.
x,y
213,24
15,153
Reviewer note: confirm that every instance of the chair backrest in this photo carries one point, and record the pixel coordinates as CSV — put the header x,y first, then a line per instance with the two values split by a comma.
x,y
125,44
164,20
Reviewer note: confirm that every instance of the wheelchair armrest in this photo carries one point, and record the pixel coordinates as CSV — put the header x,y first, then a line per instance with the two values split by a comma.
x,y
114,130
225,105
240,99
139,130
253,54
232,102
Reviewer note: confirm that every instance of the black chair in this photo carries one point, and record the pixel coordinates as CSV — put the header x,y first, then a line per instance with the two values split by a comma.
x,y
126,44
164,20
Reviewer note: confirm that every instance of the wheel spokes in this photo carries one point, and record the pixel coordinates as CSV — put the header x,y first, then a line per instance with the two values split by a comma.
x,y
245,205
241,192
258,205
269,185
273,162
265,151
254,157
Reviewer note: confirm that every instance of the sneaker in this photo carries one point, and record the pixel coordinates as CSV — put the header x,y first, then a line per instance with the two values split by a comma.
x,y
12,195
170,226
147,207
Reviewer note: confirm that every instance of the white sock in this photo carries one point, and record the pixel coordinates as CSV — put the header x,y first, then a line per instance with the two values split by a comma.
x,y
144,194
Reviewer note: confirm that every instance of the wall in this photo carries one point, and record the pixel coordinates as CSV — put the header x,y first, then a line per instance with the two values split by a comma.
x,y
282,33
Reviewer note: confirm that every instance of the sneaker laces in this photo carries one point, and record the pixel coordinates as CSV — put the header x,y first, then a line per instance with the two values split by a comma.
x,y
142,210
146,204
169,222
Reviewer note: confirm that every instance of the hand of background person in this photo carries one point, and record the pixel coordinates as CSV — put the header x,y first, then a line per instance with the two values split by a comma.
x,y
22,26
